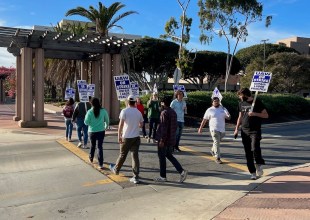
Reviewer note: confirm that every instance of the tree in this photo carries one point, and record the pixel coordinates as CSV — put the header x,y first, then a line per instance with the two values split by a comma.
x,y
104,17
209,64
9,77
183,62
246,55
228,19
290,72
150,61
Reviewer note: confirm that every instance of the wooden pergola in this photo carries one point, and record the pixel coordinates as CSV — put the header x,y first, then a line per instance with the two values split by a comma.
x,y
101,55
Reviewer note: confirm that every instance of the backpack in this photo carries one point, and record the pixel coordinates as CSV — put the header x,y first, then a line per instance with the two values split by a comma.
x,y
68,111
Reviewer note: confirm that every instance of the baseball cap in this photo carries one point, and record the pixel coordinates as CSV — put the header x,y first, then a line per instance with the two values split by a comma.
x,y
131,98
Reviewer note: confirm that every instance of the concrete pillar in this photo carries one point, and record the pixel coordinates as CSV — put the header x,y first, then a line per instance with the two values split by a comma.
x,y
18,91
106,76
84,70
116,71
39,88
95,69
26,87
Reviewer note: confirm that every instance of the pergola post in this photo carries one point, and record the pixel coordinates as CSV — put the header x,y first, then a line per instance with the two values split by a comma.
x,y
18,100
95,68
116,70
26,87
39,88
106,76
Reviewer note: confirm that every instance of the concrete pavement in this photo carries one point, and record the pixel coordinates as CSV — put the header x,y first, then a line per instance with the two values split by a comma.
x,y
283,194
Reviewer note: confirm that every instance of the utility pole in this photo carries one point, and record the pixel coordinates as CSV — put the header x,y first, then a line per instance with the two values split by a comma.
x,y
264,53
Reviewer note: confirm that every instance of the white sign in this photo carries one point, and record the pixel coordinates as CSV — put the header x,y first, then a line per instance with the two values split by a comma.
x,y
134,89
181,88
122,86
260,81
216,93
91,90
82,88
70,93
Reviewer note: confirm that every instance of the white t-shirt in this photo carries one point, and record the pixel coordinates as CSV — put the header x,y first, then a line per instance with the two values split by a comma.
x,y
216,118
132,117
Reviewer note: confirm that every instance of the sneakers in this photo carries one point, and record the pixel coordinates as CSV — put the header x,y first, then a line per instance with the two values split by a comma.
x,y
100,167
218,161
112,168
79,145
160,179
259,170
85,146
90,159
70,140
183,176
212,153
253,176
148,140
134,180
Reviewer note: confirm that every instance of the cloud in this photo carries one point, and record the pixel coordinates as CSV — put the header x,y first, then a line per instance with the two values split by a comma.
x,y
6,59
2,22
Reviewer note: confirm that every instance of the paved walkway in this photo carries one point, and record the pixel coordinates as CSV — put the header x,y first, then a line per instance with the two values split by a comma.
x,y
286,195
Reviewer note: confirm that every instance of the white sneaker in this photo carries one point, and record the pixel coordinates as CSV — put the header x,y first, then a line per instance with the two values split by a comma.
x,y
160,179
259,170
183,176
134,180
80,144
148,140
85,146
253,176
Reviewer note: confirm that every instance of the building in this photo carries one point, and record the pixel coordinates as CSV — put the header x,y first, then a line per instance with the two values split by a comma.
x,y
301,44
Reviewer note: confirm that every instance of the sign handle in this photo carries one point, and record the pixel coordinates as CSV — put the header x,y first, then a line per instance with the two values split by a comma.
x,y
253,103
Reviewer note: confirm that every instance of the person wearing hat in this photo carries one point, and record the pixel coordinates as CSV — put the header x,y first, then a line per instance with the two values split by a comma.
x,y
216,116
131,121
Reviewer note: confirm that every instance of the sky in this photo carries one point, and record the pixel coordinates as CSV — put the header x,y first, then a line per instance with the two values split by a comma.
x,y
290,18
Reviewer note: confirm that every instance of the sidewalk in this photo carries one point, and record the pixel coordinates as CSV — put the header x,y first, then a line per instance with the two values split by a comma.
x,y
284,195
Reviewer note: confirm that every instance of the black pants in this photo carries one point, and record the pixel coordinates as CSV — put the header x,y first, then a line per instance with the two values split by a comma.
x,y
166,152
97,137
251,144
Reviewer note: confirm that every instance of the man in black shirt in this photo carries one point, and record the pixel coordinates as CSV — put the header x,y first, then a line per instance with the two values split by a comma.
x,y
250,122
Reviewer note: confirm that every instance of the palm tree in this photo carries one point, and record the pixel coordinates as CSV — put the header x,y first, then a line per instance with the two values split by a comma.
x,y
104,17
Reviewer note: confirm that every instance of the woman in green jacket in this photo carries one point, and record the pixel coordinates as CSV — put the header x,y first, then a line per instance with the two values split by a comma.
x,y
98,121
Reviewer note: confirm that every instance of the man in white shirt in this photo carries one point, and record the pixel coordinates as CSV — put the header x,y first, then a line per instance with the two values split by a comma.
x,y
216,116
131,121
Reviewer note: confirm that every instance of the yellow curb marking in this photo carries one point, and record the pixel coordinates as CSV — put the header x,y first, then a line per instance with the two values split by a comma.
x,y
205,155
84,156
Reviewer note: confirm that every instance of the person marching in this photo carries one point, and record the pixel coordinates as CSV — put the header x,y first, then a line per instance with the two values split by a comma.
x,y
216,116
129,126
179,106
153,115
166,137
140,107
68,112
98,121
251,133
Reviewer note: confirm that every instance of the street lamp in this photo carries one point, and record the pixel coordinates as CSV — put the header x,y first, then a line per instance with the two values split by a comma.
x,y
264,52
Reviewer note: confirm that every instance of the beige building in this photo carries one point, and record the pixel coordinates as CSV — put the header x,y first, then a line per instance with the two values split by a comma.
x,y
301,44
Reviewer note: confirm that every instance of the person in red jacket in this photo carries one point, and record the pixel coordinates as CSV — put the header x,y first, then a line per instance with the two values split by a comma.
x,y
140,107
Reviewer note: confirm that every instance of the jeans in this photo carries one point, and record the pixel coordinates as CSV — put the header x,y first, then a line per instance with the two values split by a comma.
x,y
96,137
79,127
166,152
132,145
180,126
153,127
143,129
69,127
216,137
251,144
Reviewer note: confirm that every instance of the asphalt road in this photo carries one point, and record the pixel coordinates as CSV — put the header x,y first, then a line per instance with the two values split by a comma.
x,y
44,177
